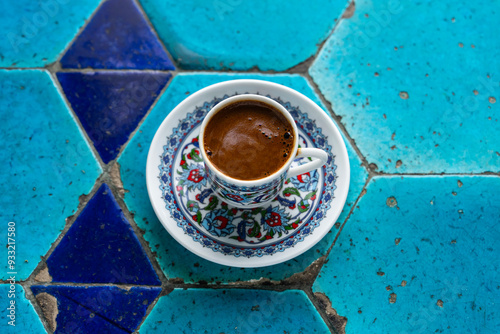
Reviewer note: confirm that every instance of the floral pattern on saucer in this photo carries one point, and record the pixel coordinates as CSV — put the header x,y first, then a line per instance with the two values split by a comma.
x,y
294,214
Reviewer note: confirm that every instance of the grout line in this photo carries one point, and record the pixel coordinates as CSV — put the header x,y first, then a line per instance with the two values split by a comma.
x,y
143,119
69,222
82,28
53,70
155,33
338,121
31,297
137,231
319,309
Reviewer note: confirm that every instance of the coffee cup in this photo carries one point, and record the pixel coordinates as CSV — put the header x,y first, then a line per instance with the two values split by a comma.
x,y
248,143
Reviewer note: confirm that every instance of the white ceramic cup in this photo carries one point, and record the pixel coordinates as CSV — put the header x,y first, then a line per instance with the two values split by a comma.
x,y
255,193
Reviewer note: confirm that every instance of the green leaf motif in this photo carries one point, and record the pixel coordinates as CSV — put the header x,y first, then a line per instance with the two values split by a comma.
x,y
303,207
198,217
195,156
291,191
213,201
311,194
255,230
192,205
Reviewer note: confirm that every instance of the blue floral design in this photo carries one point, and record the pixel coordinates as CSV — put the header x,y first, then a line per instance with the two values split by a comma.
x,y
193,177
275,220
306,182
219,223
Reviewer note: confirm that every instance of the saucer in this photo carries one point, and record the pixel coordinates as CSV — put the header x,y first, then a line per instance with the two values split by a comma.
x,y
300,216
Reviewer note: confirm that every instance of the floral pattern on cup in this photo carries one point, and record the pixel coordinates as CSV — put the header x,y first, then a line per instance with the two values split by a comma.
x,y
293,214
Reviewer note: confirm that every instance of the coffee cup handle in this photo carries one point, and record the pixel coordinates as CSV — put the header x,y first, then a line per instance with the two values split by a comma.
x,y
321,158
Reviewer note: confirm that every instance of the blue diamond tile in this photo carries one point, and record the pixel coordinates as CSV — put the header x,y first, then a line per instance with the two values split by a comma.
x,y
173,258
47,165
18,316
419,255
34,33
239,35
416,84
96,309
101,247
250,311
118,37
111,104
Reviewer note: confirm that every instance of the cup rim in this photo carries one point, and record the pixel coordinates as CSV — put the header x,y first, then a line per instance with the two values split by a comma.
x,y
257,98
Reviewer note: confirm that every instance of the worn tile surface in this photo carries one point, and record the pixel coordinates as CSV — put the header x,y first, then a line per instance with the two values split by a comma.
x,y
115,256
241,35
172,257
96,309
47,165
251,311
420,255
34,33
416,84
118,37
20,316
111,104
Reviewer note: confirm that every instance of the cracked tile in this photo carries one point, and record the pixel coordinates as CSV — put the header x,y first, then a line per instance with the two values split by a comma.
x,y
95,309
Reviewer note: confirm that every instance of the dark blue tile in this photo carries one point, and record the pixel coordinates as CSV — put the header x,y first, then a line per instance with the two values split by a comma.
x,y
111,104
95,309
100,247
118,37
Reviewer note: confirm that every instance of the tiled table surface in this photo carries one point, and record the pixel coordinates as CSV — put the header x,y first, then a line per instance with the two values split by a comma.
x,y
412,85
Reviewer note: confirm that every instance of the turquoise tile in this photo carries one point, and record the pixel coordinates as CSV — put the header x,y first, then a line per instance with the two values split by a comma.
x,y
175,261
18,315
240,35
234,311
419,255
48,165
36,32
415,83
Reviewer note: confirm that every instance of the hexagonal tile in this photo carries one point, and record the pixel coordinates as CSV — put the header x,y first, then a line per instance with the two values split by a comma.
x,y
416,84
419,254
241,35
118,37
36,32
250,311
47,161
175,261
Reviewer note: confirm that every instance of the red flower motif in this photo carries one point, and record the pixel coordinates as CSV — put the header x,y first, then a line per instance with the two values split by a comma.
x,y
258,235
287,195
295,225
183,162
194,140
274,220
313,197
195,176
195,218
302,177
179,188
292,207
268,237
234,211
